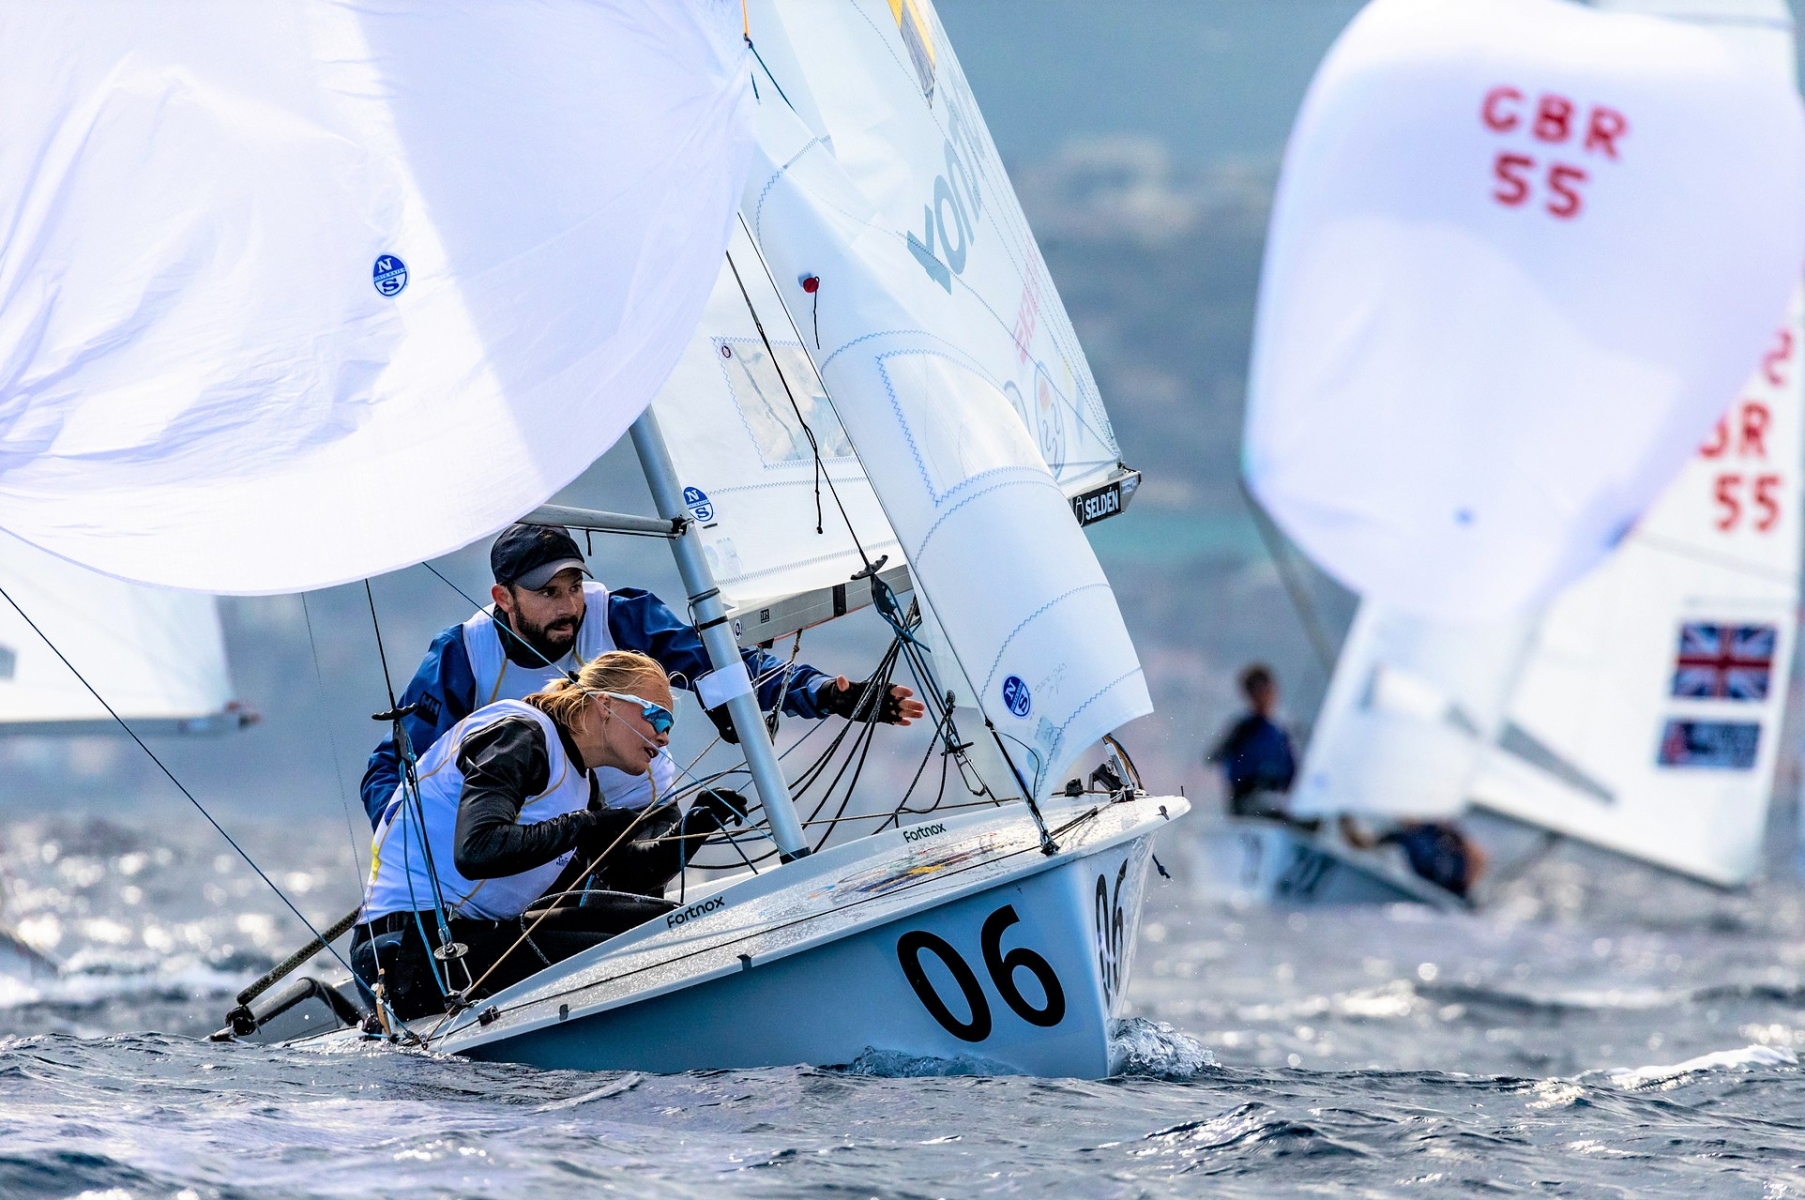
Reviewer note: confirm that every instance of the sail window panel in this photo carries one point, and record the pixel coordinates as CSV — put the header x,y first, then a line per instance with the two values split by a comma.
x,y
733,433
959,425
770,410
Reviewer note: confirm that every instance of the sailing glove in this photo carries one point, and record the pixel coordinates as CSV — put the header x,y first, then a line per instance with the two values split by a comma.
x,y
854,706
722,806
723,724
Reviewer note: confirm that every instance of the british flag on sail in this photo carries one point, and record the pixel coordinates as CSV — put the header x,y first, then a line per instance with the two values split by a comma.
x,y
1724,662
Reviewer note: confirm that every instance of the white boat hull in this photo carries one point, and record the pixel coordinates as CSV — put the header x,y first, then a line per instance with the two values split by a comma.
x,y
954,939
1253,860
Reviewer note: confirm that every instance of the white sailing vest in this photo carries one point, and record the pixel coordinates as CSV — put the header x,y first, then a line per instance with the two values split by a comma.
x,y
399,879
500,678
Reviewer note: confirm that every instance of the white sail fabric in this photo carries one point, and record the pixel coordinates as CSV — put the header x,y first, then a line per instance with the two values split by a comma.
x,y
1522,254
876,177
298,291
156,656
1648,719
734,422
880,86
1410,709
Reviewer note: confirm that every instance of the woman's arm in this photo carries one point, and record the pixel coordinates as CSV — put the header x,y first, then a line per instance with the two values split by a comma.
x,y
503,765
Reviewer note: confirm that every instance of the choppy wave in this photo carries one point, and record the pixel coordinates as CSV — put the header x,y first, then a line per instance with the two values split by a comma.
x,y
1720,1060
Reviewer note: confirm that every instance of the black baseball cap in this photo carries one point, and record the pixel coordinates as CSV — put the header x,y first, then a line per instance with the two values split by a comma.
x,y
529,555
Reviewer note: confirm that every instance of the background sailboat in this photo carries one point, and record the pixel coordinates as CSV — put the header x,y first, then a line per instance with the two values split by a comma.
x,y
1425,681
158,656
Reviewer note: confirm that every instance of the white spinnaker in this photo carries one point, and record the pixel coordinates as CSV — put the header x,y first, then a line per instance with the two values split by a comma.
x,y
736,436
1521,255
299,291
157,656
875,175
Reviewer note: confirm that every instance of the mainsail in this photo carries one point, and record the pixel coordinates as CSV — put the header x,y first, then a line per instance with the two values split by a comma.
x,y
1521,254
897,244
1647,718
157,656
295,292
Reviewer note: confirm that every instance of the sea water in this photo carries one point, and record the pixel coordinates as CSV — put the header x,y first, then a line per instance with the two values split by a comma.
x,y
1597,1030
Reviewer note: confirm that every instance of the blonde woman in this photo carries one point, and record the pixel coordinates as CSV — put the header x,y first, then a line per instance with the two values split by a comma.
x,y
510,805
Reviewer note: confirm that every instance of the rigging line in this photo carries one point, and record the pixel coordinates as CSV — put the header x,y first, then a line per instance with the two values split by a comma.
x,y
902,805
338,771
814,446
761,62
410,784
526,931
1680,549
170,775
862,746
1294,587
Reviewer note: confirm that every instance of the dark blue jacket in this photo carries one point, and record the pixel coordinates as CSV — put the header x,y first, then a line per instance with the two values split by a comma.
x,y
444,687
1257,756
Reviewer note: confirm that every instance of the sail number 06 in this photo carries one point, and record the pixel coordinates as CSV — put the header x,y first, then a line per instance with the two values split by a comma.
x,y
1001,968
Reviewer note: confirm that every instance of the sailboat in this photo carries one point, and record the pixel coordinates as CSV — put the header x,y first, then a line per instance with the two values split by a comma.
x,y
1593,713
852,335
878,333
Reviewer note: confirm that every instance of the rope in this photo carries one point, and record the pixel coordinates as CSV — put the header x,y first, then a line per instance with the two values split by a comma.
x,y
905,886
527,931
814,446
410,791
338,770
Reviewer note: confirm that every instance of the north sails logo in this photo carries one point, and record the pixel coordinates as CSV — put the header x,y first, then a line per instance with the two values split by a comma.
x,y
683,915
916,833
389,275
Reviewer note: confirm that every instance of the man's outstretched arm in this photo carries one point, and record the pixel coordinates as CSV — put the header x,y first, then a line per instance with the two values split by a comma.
x,y
638,620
